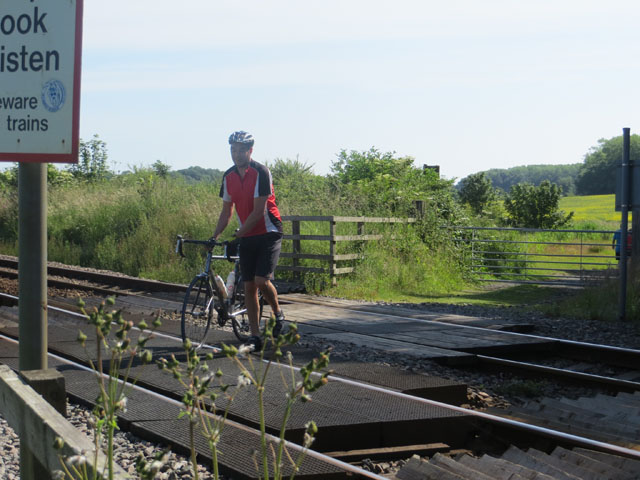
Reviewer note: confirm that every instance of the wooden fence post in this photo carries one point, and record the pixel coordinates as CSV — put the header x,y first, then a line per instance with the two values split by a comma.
x,y
295,230
332,252
418,208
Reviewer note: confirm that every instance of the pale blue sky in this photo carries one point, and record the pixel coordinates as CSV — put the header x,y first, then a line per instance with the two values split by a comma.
x,y
467,85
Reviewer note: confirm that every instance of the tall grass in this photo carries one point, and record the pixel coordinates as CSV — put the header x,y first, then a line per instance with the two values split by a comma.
x,y
129,224
403,267
600,301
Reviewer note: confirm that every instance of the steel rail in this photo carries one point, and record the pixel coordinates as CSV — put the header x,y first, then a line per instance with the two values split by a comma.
x,y
80,315
588,377
547,432
126,281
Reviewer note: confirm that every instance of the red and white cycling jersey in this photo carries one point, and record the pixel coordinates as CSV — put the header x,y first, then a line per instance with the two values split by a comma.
x,y
240,191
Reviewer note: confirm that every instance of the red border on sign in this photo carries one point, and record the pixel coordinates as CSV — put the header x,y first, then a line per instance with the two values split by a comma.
x,y
75,121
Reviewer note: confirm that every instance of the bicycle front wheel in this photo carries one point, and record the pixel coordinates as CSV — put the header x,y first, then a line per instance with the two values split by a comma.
x,y
240,318
198,310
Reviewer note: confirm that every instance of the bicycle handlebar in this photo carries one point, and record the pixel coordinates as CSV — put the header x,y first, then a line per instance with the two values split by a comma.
x,y
210,244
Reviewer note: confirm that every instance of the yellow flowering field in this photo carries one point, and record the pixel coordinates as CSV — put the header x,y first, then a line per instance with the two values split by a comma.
x,y
596,208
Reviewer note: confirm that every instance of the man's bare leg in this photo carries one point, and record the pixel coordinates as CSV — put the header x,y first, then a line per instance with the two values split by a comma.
x,y
253,307
269,293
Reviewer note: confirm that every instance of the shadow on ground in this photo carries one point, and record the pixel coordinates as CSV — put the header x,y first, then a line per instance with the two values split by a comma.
x,y
505,295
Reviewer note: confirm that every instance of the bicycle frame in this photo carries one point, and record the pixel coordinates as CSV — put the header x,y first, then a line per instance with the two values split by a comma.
x,y
227,306
197,311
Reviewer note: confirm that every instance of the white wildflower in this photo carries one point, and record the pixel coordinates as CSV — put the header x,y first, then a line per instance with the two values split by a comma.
x,y
76,460
244,349
307,440
243,381
122,404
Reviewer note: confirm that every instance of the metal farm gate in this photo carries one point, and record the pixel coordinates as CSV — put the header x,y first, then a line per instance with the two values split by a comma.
x,y
550,257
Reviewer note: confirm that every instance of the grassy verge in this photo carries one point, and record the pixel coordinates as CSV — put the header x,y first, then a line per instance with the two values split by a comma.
x,y
403,267
600,301
530,296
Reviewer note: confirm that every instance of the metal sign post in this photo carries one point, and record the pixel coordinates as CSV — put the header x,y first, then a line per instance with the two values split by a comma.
x,y
40,51
32,268
624,205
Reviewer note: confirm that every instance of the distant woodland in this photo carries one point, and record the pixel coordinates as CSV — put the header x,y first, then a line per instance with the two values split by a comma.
x,y
562,175
199,174
595,176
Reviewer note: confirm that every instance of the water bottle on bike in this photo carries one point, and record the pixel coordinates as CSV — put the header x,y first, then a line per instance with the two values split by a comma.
x,y
231,280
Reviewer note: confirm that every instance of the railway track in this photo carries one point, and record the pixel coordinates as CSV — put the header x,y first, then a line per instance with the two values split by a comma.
x,y
626,360
508,429
488,428
585,358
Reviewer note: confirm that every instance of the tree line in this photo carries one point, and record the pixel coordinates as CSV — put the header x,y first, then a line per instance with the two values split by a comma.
x,y
377,183
595,176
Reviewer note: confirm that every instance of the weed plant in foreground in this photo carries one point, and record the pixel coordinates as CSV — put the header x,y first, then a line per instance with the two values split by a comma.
x,y
204,390
112,340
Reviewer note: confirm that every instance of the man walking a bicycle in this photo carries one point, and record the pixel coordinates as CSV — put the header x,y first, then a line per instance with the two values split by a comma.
x,y
248,187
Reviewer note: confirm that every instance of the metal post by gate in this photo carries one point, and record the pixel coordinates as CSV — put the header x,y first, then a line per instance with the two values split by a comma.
x,y
626,181
582,276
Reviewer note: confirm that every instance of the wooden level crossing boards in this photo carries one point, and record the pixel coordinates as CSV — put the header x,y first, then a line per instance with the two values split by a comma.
x,y
349,416
152,418
410,312
397,334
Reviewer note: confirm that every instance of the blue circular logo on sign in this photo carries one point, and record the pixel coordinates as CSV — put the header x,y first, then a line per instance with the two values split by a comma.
x,y
53,95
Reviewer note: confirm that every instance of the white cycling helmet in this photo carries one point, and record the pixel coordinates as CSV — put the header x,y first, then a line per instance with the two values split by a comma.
x,y
242,137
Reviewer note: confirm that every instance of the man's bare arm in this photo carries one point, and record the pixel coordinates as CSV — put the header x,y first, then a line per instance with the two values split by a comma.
x,y
223,220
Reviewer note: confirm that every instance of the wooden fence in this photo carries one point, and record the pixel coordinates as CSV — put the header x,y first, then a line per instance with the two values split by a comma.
x,y
39,424
332,258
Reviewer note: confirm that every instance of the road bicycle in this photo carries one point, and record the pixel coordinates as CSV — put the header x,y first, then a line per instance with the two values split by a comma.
x,y
210,301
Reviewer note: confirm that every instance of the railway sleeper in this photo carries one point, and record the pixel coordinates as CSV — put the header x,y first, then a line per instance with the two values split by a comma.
x,y
613,419
517,464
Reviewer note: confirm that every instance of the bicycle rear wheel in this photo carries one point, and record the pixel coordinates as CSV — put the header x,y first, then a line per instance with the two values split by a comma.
x,y
198,310
240,319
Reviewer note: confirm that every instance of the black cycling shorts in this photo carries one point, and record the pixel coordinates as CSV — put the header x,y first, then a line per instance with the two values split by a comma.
x,y
259,255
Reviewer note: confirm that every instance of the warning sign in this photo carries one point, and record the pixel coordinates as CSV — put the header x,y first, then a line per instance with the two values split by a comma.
x,y
40,51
